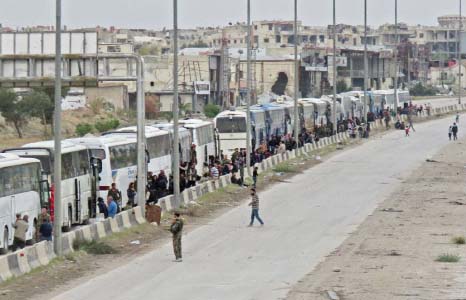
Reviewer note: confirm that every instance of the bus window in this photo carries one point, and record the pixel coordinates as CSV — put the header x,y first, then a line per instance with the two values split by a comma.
x,y
67,168
233,125
83,163
159,146
123,156
98,153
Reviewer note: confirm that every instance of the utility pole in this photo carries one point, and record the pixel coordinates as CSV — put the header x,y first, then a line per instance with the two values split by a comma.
x,y
296,75
366,67
395,85
248,97
176,153
460,75
58,221
334,117
141,137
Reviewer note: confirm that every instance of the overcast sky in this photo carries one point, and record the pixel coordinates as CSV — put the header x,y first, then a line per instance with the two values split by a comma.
x,y
157,13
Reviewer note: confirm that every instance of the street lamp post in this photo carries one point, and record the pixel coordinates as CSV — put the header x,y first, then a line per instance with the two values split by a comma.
x,y
334,117
296,75
366,67
176,153
58,212
460,75
249,86
395,85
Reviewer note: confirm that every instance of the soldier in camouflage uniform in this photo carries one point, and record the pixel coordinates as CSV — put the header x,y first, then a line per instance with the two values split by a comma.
x,y
177,230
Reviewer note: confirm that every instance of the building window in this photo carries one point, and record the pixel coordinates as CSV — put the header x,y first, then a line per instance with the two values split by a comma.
x,y
270,27
266,40
234,41
255,27
278,39
113,49
421,35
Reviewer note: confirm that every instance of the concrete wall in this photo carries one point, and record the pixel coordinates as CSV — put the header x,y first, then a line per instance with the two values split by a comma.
x,y
114,94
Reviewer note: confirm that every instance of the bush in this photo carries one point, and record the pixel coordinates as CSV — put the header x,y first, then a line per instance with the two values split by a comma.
x,y
342,87
211,110
97,105
284,168
421,90
83,128
448,258
107,125
93,247
459,240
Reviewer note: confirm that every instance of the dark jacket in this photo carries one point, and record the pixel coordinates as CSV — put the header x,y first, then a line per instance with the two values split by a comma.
x,y
177,227
103,209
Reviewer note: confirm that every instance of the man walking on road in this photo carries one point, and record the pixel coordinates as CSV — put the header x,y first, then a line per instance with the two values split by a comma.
x,y
255,208
455,131
450,132
177,230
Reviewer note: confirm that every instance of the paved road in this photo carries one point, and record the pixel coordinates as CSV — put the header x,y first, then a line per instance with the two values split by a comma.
x,y
440,101
305,220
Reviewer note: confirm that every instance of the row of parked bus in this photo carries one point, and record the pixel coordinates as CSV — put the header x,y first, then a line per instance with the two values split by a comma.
x,y
91,164
89,167
278,118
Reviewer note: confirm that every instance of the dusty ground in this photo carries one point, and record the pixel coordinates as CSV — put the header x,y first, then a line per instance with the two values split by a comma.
x,y
393,253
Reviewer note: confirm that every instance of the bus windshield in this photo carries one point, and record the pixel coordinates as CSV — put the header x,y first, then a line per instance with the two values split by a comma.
x,y
233,125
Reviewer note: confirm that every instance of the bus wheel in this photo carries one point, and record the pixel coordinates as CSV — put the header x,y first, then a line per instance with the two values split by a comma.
x,y
4,250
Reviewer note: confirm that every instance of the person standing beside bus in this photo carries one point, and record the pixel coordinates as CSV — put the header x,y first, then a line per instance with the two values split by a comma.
x,y
115,194
45,230
111,207
21,227
131,193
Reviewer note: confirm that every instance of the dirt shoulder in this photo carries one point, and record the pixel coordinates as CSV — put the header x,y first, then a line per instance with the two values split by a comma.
x,y
393,253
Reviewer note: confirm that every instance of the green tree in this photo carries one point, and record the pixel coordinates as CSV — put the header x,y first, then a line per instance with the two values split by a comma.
x,y
342,87
13,110
83,128
40,106
103,126
149,49
421,90
211,110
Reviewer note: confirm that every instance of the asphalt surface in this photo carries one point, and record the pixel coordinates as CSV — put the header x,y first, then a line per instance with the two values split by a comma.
x,y
306,220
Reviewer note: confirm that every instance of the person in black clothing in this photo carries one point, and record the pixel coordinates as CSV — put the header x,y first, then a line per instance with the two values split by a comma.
x,y
183,182
102,207
255,175
454,129
161,184
225,170
45,230
131,193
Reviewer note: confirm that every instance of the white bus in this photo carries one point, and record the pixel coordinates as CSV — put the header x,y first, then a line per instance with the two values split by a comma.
x,y
230,127
158,147
119,162
185,138
77,179
202,133
22,191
